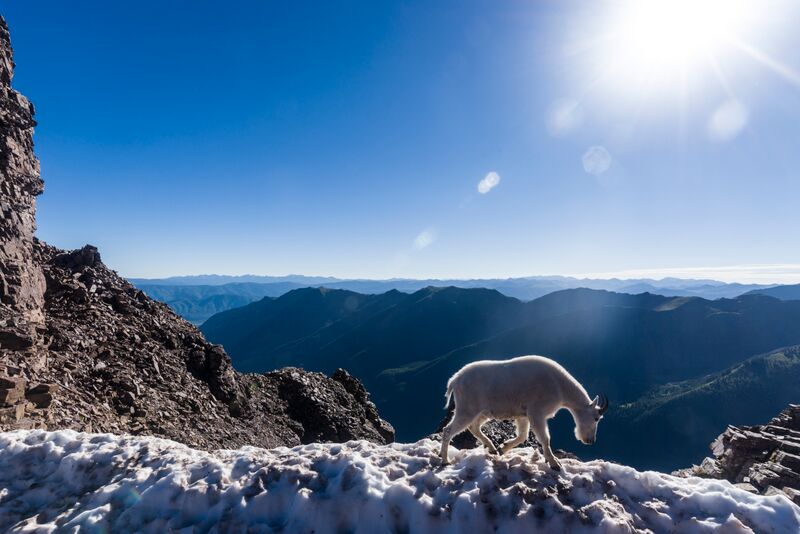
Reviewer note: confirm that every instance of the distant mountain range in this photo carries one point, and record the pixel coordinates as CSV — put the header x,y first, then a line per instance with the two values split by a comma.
x,y
221,279
789,292
196,303
199,297
405,346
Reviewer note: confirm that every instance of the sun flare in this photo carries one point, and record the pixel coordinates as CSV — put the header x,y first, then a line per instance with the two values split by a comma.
x,y
664,32
642,58
656,39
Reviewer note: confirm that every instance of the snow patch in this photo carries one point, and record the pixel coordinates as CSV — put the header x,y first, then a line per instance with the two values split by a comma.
x,y
64,480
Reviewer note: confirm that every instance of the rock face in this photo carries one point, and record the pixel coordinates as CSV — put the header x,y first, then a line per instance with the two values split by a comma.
x,y
21,281
81,348
763,458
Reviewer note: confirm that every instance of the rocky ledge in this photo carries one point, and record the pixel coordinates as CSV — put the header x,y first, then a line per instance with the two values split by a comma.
x,y
110,359
762,459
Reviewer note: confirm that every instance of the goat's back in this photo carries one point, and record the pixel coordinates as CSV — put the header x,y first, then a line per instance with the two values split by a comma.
x,y
504,385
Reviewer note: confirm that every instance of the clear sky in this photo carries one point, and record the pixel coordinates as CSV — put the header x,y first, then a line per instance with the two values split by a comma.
x,y
418,139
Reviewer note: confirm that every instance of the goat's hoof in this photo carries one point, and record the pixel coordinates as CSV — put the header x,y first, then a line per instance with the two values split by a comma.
x,y
554,464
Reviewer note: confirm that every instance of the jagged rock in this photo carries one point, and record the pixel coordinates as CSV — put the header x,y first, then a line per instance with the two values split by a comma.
x,y
103,357
41,395
766,457
88,256
21,280
746,486
15,339
793,494
787,459
325,408
12,414
354,386
12,390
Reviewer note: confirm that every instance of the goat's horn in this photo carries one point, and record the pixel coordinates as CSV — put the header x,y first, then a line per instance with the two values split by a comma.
x,y
603,404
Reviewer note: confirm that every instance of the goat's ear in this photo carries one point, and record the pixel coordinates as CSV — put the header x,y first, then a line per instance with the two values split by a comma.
x,y
595,400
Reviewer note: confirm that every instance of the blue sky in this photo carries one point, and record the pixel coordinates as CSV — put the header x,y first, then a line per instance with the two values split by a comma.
x,y
351,138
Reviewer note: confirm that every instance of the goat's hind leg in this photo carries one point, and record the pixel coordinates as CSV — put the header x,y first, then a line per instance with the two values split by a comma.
x,y
475,428
459,422
523,427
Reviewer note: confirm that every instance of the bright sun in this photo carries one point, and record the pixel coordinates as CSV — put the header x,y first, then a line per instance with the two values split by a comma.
x,y
628,61
656,40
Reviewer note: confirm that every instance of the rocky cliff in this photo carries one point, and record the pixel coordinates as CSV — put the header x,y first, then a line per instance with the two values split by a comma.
x,y
81,348
761,459
21,280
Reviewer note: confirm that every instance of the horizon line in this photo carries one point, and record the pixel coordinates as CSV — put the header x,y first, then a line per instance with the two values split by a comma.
x,y
760,274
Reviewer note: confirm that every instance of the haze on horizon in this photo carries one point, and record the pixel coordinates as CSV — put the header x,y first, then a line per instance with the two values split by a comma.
x,y
409,140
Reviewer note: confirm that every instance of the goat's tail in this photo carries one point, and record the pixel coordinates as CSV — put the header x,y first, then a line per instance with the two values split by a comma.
x,y
449,395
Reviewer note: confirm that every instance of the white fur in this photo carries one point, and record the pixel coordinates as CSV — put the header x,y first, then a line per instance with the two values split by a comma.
x,y
528,389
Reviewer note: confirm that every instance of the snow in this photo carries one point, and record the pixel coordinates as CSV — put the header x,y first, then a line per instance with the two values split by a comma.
x,y
65,481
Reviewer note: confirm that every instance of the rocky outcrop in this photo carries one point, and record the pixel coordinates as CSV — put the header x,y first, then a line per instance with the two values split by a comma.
x,y
81,348
21,280
117,361
762,459
329,411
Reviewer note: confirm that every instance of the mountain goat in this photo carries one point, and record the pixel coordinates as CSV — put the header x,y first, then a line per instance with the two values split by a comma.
x,y
528,389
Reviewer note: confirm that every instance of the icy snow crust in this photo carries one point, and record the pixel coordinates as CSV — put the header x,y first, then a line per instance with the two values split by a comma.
x,y
60,481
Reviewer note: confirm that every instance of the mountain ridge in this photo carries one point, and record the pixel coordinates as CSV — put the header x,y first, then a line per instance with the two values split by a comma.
x,y
783,292
192,300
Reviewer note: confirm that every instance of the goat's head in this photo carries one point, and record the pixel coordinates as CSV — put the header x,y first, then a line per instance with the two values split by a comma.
x,y
587,418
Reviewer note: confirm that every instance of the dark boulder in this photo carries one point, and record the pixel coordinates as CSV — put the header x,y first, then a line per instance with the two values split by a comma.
x,y
88,256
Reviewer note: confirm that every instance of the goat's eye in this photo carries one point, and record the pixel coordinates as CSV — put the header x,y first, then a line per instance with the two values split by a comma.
x,y
596,418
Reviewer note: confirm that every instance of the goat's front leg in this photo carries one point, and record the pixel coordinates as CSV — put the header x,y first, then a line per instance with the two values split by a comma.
x,y
523,427
542,434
